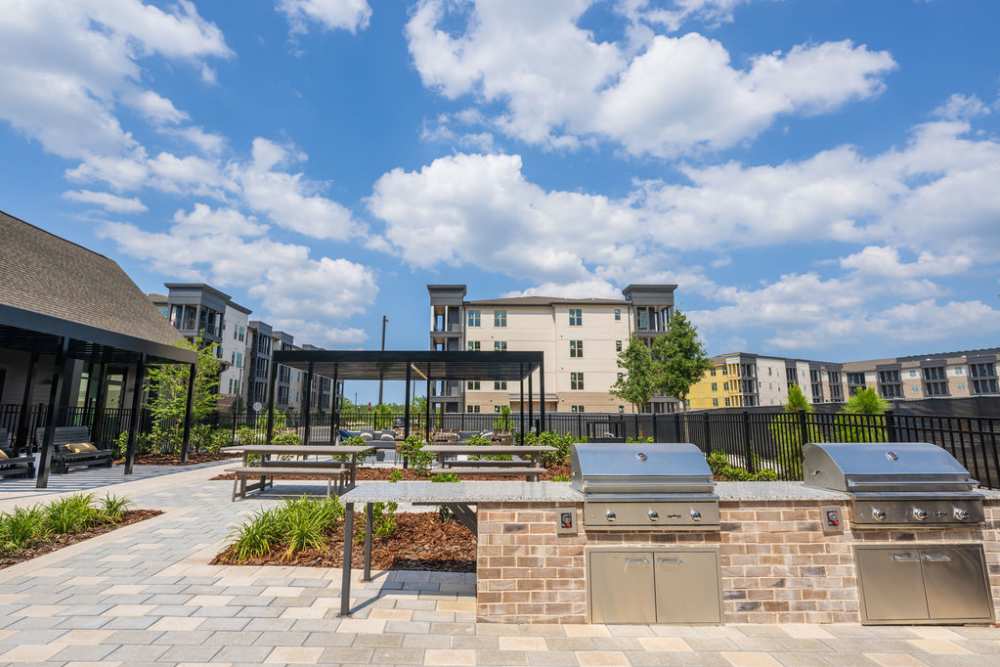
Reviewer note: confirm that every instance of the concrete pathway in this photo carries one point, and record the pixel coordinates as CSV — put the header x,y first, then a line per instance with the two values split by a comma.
x,y
145,595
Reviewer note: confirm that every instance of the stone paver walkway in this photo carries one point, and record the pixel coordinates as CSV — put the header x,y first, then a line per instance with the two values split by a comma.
x,y
145,595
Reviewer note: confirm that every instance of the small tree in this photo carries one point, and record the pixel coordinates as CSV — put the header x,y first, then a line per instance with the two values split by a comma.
x,y
635,385
862,417
168,391
786,429
679,360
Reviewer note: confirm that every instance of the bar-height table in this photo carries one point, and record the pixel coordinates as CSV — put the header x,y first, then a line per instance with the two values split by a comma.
x,y
300,467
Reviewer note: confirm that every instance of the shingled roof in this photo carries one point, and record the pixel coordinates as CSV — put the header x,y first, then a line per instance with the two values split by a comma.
x,y
58,288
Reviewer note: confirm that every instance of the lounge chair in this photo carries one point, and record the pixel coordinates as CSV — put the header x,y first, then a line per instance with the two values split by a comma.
x,y
14,466
71,448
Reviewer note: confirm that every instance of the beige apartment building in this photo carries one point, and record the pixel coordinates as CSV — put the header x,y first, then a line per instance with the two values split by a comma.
x,y
580,338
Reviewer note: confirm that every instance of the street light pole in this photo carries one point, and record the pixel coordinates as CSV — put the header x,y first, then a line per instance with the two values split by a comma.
x,y
385,321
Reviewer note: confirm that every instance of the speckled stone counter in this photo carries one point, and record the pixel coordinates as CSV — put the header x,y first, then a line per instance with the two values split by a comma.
x,y
472,493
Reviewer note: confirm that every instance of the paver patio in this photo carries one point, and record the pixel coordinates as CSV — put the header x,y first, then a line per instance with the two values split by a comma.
x,y
145,594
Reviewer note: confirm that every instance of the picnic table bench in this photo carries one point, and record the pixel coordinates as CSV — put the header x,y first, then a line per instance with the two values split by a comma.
x,y
445,455
344,471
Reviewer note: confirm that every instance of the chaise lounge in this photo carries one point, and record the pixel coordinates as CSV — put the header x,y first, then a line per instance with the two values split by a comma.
x,y
72,448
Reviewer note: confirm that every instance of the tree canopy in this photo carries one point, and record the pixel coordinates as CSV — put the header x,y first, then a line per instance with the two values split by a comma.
x,y
635,385
679,359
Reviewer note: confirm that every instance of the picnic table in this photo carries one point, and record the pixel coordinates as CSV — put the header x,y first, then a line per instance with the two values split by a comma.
x,y
446,458
268,469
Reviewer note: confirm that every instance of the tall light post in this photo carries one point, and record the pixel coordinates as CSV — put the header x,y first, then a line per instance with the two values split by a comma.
x,y
385,322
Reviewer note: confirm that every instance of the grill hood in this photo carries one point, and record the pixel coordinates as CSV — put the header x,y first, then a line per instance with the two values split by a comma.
x,y
637,469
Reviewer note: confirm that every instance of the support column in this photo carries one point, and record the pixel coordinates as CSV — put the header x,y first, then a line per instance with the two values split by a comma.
x,y
59,372
307,399
406,405
520,383
541,399
136,417
427,408
369,524
100,401
270,400
24,416
334,407
531,402
188,407
345,581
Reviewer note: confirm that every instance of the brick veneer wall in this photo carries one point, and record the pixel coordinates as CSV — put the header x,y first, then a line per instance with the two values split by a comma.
x,y
777,566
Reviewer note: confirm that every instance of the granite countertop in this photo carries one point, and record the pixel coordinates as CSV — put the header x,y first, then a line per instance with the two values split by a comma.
x,y
462,492
777,491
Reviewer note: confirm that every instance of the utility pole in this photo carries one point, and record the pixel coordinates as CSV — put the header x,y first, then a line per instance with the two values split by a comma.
x,y
385,321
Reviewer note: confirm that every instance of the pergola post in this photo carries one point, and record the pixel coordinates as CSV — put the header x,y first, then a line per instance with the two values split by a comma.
x,y
427,408
531,400
521,420
136,417
406,405
270,401
307,399
59,372
335,407
23,427
100,401
541,398
188,407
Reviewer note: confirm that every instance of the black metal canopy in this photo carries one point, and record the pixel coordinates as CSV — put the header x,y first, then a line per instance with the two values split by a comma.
x,y
423,364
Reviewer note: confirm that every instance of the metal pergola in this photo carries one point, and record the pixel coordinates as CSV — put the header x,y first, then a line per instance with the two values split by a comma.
x,y
67,341
430,366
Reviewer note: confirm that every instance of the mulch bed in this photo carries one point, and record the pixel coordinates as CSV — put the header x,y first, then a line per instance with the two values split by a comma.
x,y
382,475
421,542
56,542
175,460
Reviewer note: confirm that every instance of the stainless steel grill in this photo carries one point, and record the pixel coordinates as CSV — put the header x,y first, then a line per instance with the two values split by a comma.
x,y
645,487
896,484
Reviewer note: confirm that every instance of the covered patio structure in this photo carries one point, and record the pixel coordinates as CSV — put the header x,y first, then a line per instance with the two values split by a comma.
x,y
409,366
66,312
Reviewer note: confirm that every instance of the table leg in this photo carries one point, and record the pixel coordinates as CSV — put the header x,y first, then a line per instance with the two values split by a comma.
x,y
345,582
369,521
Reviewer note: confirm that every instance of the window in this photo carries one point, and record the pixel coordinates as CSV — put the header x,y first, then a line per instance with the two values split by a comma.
x,y
643,319
472,385
984,378
715,402
473,318
621,377
790,377
889,384
855,383
499,346
576,317
472,408
713,372
728,404
499,385
618,317
725,386
817,386
836,389
500,318
576,381
715,386
576,408
473,346
935,382
496,408
576,349
618,346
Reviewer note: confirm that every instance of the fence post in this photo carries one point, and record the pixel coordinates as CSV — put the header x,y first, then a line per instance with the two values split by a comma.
x,y
656,434
708,435
636,425
678,432
747,446
803,427
890,426
232,441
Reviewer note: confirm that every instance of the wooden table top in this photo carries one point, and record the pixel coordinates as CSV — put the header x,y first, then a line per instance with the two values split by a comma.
x,y
487,450
299,449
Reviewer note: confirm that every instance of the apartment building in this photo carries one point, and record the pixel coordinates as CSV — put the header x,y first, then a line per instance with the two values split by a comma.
x,y
749,380
581,339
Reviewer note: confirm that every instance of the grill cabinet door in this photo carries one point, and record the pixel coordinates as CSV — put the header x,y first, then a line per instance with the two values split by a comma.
x,y
892,584
687,587
621,587
955,578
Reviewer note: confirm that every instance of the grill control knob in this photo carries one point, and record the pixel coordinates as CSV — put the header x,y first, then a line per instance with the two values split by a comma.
x,y
695,515
653,515
961,514
877,514
610,515
919,514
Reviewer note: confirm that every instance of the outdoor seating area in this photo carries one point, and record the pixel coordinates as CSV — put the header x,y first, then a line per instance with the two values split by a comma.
x,y
265,463
12,465
72,448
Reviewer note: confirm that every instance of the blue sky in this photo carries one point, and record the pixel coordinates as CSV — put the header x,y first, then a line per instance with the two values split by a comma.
x,y
820,177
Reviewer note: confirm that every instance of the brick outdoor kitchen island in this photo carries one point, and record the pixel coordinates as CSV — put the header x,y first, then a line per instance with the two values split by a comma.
x,y
776,563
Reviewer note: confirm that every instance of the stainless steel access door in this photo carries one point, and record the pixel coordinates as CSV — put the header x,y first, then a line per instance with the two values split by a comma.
x,y
621,588
687,587
956,584
892,586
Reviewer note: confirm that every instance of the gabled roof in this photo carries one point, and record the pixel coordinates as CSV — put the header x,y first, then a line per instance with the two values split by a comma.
x,y
55,288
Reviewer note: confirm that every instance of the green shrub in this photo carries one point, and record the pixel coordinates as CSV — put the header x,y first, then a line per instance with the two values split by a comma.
x,y
245,435
480,440
503,423
113,508
286,438
355,441
395,475
445,477
205,438
719,463
305,522
563,444
412,449
560,478
22,528
384,515
640,440
72,514
257,536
